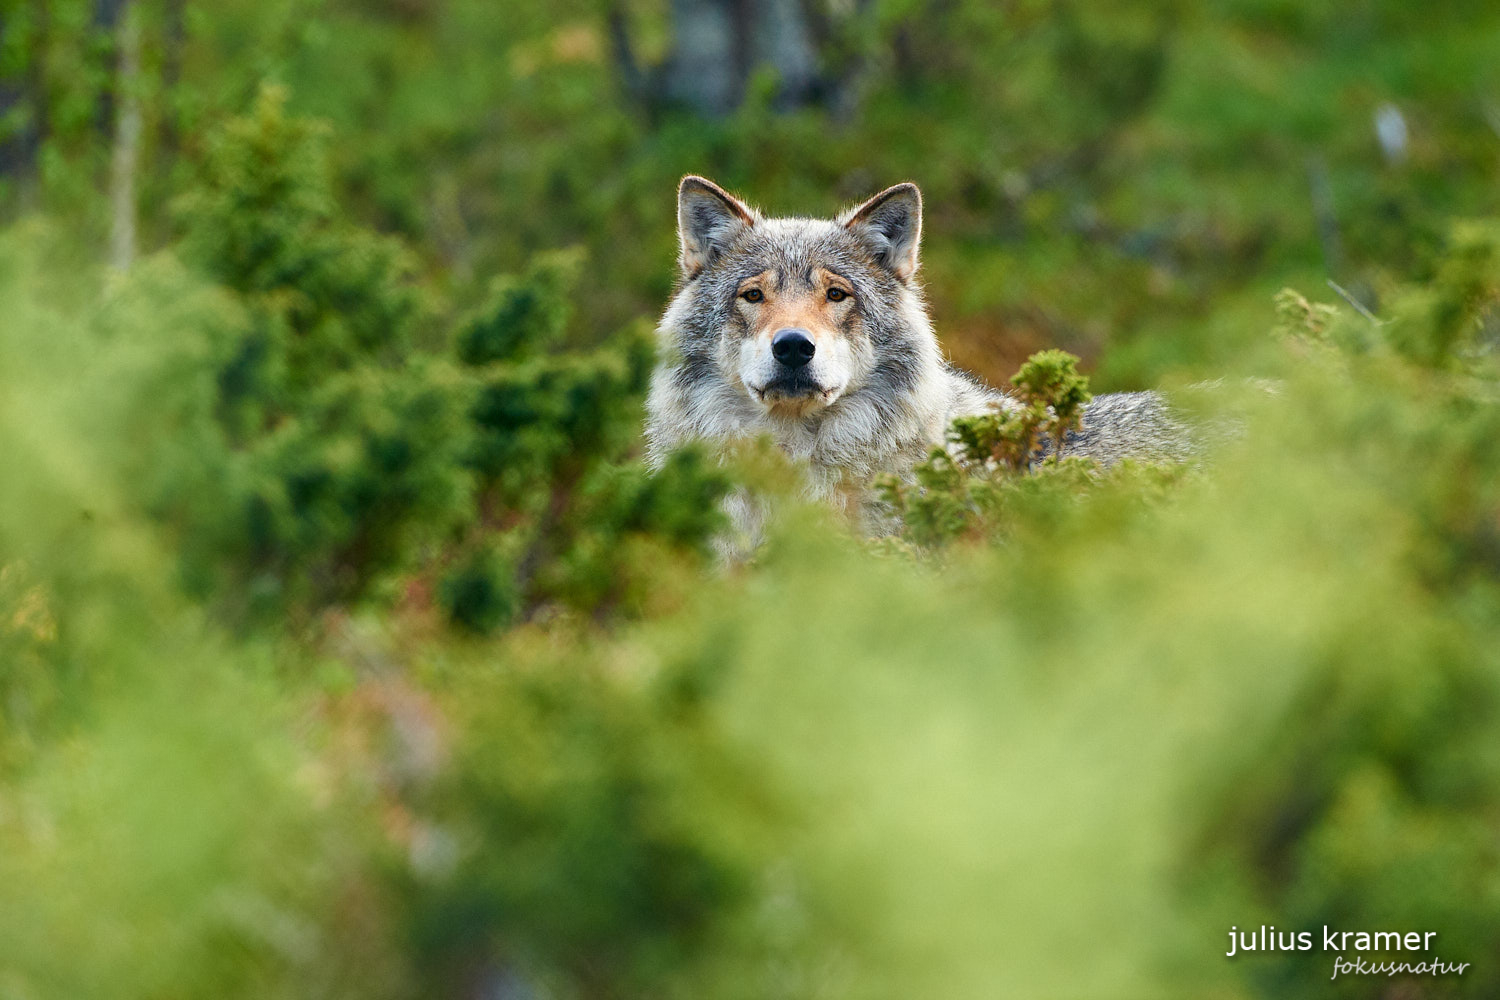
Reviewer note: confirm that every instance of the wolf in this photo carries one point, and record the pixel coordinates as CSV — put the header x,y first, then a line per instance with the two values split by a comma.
x,y
815,332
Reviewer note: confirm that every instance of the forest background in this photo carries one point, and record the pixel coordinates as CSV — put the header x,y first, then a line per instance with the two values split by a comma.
x,y
347,647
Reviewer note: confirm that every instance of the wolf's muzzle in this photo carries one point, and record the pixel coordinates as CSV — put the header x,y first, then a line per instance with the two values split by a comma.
x,y
791,384
792,347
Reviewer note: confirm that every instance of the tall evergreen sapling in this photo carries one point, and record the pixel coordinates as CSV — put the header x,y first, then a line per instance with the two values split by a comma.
x,y
552,437
341,444
335,448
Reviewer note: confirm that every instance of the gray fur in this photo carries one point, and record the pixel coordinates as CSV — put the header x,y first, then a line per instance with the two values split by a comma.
x,y
890,394
1129,425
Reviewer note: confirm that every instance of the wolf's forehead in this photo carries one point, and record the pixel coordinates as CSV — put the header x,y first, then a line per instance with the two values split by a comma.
x,y
796,246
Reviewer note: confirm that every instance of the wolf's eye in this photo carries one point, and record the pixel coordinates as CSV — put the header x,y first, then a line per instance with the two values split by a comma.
x,y
837,295
752,295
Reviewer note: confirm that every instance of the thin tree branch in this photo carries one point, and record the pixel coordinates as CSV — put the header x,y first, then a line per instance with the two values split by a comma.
x,y
1354,303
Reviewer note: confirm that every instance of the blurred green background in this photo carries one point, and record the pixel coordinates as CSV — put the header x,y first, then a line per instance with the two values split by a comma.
x,y
348,649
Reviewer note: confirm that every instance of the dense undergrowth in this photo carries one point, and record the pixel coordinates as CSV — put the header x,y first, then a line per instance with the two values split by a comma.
x,y
348,649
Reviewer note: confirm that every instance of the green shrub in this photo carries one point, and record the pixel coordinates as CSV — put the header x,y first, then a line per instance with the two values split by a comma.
x,y
525,314
334,445
480,592
951,496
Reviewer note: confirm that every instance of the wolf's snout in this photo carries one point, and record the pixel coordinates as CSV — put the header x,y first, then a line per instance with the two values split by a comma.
x,y
793,348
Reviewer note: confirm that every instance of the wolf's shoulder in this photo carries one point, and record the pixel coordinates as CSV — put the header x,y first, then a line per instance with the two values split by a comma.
x,y
968,397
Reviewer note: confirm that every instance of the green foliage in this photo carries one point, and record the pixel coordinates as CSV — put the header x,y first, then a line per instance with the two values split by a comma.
x,y
28,627
953,496
263,223
480,593
1447,318
585,865
337,451
1050,396
525,314
544,419
678,502
484,725
551,435
626,529
938,506
1050,380
1007,437
332,450
1297,317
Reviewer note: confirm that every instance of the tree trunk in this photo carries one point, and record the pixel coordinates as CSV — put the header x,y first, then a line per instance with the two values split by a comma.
x,y
781,37
127,140
703,72
174,30
719,44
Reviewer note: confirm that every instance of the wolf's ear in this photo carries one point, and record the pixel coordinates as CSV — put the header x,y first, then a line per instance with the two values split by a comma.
x,y
708,217
891,224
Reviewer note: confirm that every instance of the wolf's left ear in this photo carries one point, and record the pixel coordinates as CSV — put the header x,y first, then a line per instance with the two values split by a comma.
x,y
891,223
708,217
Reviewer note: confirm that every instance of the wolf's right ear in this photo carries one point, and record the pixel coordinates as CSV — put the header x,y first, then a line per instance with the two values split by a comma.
x,y
708,217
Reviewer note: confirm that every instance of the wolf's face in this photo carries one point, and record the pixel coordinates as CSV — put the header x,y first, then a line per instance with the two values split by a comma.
x,y
796,313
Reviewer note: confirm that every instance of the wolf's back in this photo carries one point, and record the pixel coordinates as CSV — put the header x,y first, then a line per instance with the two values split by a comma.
x,y
1119,425
1130,425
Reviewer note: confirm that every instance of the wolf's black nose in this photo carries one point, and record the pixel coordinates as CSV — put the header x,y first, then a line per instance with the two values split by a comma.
x,y
793,348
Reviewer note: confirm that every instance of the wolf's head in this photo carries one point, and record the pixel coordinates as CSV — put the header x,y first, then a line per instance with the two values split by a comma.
x,y
799,313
